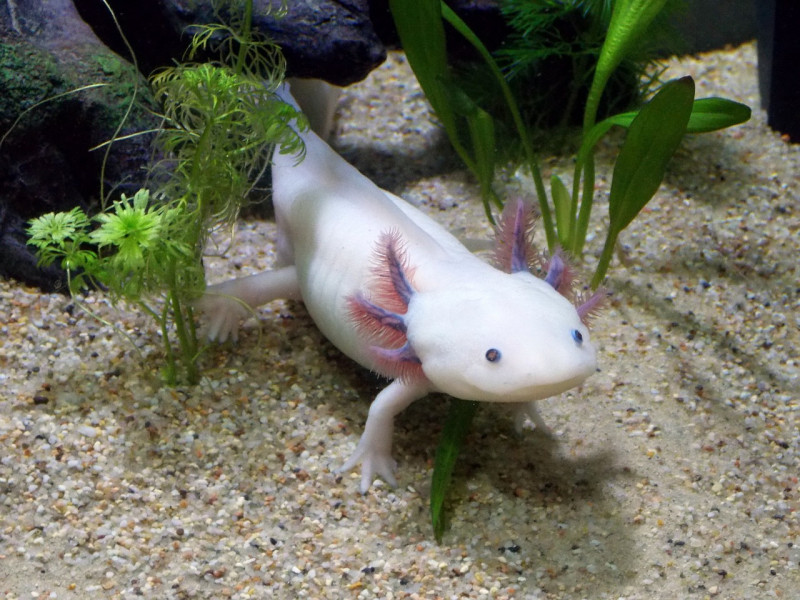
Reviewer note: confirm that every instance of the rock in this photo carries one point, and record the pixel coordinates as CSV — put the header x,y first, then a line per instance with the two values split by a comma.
x,y
46,161
340,50
332,40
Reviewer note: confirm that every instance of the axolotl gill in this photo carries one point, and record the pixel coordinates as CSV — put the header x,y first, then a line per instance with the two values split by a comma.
x,y
400,295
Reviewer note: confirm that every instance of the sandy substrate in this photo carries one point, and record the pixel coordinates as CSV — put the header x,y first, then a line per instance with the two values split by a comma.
x,y
673,472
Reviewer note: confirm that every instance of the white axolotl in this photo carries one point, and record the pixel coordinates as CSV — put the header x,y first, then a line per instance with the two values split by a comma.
x,y
398,294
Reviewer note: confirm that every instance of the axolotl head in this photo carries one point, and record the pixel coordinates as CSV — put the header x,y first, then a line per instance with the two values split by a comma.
x,y
490,334
511,338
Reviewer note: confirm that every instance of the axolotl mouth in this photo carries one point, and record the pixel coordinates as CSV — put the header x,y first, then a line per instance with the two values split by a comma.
x,y
511,392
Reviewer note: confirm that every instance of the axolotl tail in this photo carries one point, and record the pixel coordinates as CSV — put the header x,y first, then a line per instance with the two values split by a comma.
x,y
320,165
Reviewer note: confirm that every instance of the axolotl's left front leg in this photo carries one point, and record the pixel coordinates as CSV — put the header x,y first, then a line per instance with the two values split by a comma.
x,y
227,304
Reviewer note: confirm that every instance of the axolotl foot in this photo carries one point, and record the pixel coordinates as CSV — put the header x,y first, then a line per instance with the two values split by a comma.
x,y
523,411
374,450
223,314
227,304
375,462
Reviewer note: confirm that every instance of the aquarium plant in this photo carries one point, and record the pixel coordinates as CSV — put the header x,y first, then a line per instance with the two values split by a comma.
x,y
654,132
221,118
547,57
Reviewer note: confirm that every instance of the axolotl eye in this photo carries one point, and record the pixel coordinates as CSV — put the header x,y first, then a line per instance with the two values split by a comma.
x,y
577,336
493,355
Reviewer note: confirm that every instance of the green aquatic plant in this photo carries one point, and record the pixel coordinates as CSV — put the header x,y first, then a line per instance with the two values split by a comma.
x,y
654,133
421,31
221,119
122,249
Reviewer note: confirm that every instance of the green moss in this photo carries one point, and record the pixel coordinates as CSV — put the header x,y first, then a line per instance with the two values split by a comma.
x,y
119,74
120,77
110,64
27,76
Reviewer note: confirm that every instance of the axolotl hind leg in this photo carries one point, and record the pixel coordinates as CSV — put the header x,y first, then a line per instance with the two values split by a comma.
x,y
227,304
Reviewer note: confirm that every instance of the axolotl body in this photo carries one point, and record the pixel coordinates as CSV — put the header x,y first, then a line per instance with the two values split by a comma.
x,y
400,295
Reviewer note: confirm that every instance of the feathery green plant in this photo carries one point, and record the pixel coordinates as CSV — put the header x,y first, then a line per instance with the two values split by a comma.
x,y
654,132
548,58
221,119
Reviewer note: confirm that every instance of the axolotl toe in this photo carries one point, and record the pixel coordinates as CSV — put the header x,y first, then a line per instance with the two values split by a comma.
x,y
398,294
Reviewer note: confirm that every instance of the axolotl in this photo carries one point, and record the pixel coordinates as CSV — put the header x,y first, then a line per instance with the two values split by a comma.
x,y
400,295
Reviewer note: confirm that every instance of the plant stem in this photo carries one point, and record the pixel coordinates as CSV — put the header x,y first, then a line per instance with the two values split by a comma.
x,y
605,259
246,33
200,153
170,372
188,343
587,199
192,331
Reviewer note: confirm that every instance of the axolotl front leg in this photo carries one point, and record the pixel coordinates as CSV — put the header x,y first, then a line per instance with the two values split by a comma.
x,y
374,450
227,304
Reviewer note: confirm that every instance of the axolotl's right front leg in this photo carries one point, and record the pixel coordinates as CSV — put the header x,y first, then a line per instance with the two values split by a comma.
x,y
374,450
227,304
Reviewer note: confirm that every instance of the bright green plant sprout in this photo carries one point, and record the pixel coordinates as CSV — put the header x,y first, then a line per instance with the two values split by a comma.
x,y
629,21
221,120
654,133
132,229
61,236
455,430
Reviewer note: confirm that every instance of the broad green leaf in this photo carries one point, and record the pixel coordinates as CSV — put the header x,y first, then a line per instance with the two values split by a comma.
x,y
420,27
652,139
708,114
711,114
481,134
459,419
562,203
481,131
